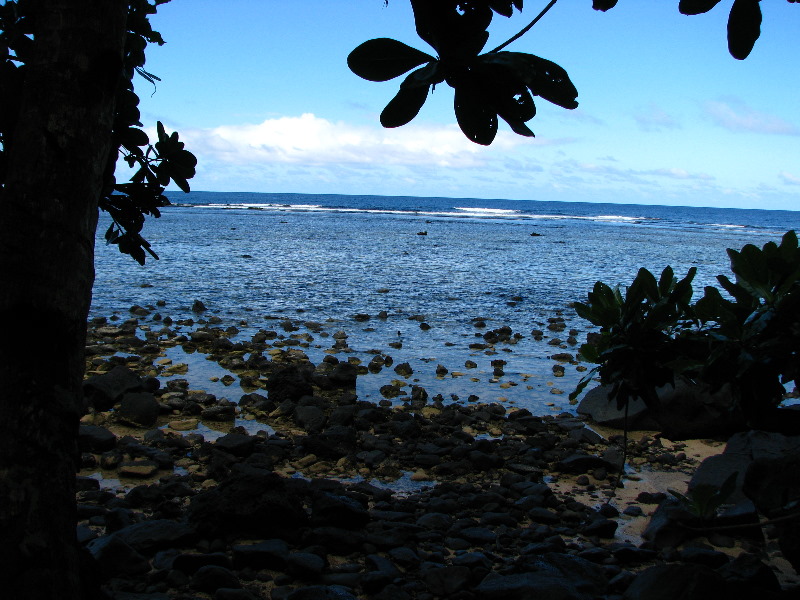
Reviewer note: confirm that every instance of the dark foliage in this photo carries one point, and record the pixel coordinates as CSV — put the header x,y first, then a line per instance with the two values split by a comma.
x,y
156,164
487,86
748,339
495,84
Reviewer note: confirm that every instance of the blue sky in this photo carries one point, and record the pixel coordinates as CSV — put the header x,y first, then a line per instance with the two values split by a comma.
x,y
261,93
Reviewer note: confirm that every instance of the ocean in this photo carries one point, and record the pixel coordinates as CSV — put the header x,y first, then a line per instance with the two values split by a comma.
x,y
420,273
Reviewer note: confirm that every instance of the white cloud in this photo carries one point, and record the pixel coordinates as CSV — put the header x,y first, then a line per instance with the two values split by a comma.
x,y
789,179
655,118
638,176
312,140
678,174
735,115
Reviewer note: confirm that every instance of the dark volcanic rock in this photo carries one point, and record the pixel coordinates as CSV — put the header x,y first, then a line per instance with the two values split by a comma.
x,y
687,411
212,577
139,408
305,566
103,391
581,463
92,438
310,418
343,376
320,592
549,577
149,536
237,444
269,554
599,408
334,442
678,582
445,581
115,557
290,383
340,511
253,504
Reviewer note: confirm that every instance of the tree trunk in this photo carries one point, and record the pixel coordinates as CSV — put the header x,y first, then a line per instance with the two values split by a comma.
x,y
48,214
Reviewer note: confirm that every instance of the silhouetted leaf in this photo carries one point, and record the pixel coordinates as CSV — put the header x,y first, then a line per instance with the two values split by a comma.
x,y
181,183
543,77
426,76
518,127
454,28
696,7
603,5
382,59
476,118
515,103
162,134
404,106
505,7
666,280
744,27
132,137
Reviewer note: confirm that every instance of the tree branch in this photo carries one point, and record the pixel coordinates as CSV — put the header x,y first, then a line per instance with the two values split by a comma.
x,y
526,28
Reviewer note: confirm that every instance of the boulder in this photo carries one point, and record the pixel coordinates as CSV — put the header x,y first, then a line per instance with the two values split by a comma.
x,y
445,581
103,391
305,566
678,582
334,442
237,444
597,406
290,383
341,511
116,558
252,504
269,554
320,592
310,418
343,376
686,411
552,576
210,578
156,534
92,438
140,409
743,450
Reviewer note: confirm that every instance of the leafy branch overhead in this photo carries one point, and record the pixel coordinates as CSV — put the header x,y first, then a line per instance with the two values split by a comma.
x,y
156,164
496,83
487,86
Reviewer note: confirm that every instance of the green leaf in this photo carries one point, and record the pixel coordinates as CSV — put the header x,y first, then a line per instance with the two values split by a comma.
x,y
666,281
382,59
646,286
744,27
582,384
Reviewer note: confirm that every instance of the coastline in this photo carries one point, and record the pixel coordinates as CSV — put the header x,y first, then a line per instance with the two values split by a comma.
x,y
510,487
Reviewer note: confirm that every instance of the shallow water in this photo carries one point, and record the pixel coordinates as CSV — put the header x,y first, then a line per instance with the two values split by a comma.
x,y
258,260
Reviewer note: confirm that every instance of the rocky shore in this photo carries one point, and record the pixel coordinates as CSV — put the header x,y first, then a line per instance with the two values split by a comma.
x,y
300,490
